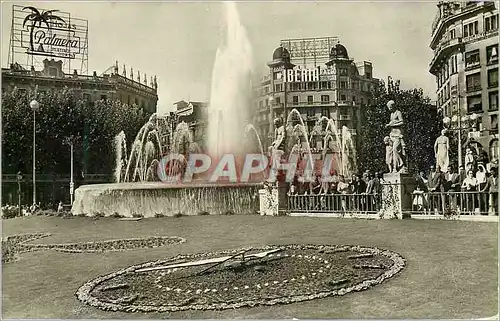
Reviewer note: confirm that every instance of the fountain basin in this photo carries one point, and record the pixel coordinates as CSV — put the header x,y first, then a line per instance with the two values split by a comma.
x,y
149,199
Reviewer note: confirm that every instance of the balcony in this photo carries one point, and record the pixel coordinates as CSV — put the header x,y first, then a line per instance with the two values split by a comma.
x,y
472,66
344,117
443,50
473,88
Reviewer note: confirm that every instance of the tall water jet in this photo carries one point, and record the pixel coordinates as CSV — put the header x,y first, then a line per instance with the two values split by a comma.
x,y
121,155
231,88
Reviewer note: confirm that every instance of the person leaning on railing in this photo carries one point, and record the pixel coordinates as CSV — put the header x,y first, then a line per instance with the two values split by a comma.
x,y
481,177
492,189
469,185
435,184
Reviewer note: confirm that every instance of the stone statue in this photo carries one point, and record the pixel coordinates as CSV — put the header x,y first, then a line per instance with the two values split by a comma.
x,y
441,149
388,152
396,137
277,147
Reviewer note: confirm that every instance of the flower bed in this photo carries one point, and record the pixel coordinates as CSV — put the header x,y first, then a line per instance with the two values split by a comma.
x,y
297,273
16,244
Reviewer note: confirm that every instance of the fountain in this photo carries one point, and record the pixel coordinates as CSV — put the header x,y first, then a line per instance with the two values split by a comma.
x,y
138,192
231,88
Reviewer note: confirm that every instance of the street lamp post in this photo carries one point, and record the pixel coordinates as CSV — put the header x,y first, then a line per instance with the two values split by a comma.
x,y
71,182
459,123
34,106
19,179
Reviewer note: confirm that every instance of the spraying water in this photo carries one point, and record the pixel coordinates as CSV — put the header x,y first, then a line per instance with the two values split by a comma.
x,y
121,155
231,88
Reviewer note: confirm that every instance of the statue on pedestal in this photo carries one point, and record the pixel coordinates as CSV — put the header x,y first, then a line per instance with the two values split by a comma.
x,y
398,146
441,149
277,148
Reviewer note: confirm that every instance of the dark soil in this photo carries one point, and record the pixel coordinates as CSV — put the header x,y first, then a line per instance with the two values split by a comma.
x,y
293,272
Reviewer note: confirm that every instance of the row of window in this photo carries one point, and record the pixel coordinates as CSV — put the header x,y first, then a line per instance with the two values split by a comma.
x,y
472,60
473,81
323,85
472,28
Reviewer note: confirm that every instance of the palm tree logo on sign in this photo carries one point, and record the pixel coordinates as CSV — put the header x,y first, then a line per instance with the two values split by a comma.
x,y
37,19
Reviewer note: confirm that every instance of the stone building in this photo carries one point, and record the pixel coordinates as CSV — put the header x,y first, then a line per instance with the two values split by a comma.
x,y
465,63
135,89
339,90
195,114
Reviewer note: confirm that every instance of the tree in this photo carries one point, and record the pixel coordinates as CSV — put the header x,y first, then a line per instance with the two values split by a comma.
x,y
421,128
63,114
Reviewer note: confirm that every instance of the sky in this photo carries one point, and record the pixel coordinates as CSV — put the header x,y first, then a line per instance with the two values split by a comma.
x,y
177,41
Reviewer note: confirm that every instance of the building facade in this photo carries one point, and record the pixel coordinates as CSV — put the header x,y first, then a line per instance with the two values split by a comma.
x,y
465,64
338,89
111,85
195,115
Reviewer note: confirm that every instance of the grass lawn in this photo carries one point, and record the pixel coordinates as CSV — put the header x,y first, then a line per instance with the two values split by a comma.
x,y
451,271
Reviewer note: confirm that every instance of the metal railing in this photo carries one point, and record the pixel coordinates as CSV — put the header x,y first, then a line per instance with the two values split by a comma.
x,y
454,203
334,203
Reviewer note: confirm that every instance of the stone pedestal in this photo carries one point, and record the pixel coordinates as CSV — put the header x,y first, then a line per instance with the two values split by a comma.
x,y
268,199
397,191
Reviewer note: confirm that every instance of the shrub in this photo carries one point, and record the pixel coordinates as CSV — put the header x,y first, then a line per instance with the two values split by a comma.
x,y
159,215
98,214
204,213
116,215
178,214
137,215
229,212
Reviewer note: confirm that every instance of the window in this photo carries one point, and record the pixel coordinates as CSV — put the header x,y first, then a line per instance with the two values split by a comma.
x,y
310,112
295,86
136,101
368,75
311,86
325,112
354,98
471,29
104,97
493,78
261,104
295,100
343,84
491,23
492,54
324,84
278,100
325,98
453,64
494,122
474,82
342,71
343,97
494,150
277,87
309,100
493,100
474,104
452,34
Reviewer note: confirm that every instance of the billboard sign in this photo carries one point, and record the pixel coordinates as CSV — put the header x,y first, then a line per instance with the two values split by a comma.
x,y
50,33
